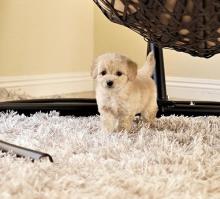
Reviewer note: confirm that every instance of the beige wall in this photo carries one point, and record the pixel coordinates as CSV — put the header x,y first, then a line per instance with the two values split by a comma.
x,y
184,65
111,37
45,36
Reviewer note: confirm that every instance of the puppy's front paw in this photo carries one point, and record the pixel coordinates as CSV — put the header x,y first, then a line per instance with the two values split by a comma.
x,y
107,129
108,124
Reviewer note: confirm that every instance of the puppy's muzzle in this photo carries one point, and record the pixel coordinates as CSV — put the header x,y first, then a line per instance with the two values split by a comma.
x,y
109,84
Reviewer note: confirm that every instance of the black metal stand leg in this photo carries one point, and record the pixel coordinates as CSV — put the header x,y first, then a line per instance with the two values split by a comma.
x,y
159,75
23,152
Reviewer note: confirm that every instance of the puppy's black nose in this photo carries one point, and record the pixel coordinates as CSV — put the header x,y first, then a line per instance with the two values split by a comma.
x,y
109,83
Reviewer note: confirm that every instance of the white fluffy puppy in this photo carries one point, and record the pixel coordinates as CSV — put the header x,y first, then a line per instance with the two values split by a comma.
x,y
122,91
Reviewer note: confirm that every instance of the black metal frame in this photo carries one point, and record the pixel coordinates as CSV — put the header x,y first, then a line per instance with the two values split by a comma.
x,y
168,107
86,107
6,147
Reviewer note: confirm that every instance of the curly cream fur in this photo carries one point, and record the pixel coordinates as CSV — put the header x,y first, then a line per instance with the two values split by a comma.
x,y
132,92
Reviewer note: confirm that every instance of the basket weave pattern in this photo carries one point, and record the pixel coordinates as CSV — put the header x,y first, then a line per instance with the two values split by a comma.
x,y
190,26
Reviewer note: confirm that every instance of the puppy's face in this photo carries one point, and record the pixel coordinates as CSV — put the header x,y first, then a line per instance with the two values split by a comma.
x,y
113,71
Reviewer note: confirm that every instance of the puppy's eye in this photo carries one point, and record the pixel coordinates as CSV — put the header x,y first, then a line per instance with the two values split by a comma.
x,y
103,72
119,73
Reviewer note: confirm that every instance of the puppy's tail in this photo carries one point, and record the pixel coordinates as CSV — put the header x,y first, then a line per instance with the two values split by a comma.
x,y
149,66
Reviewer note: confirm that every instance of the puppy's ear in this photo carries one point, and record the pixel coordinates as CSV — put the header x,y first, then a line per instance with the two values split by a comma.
x,y
94,69
132,70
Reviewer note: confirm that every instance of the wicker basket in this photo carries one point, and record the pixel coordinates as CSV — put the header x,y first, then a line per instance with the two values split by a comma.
x,y
191,26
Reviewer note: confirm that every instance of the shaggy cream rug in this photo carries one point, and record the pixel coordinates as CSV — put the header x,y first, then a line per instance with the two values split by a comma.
x,y
177,157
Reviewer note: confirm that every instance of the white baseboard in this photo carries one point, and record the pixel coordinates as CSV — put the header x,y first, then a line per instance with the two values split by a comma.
x,y
46,85
193,89
55,84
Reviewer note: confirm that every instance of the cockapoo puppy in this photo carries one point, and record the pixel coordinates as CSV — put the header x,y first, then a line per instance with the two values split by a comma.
x,y
122,91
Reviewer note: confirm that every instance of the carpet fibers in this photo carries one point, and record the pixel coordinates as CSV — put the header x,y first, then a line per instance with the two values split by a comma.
x,y
176,157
